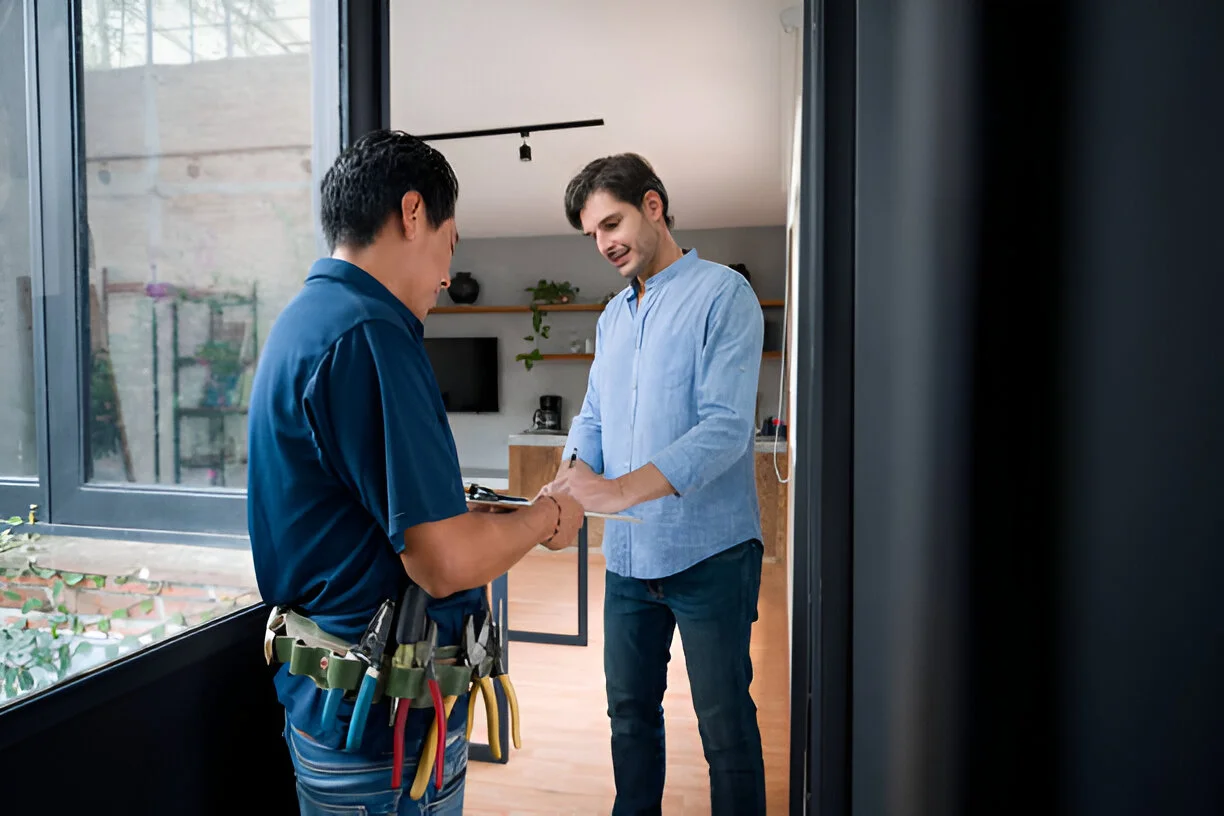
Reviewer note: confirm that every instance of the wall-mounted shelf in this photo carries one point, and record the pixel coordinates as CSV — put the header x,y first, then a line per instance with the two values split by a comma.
x,y
554,307
765,355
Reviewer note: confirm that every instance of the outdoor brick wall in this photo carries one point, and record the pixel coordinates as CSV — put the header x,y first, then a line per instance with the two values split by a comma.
x,y
198,175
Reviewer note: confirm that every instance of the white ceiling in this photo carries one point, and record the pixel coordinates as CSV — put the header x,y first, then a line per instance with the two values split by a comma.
x,y
702,88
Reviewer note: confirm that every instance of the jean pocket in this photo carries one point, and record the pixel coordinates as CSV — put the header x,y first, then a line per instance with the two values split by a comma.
x,y
450,798
313,807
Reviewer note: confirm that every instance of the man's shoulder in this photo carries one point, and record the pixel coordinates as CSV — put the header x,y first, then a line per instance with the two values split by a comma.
x,y
322,313
719,278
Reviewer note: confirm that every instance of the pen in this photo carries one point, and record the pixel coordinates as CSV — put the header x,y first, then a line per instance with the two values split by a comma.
x,y
573,456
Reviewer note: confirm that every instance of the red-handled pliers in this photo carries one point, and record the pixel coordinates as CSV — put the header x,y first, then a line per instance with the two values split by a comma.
x,y
435,691
401,719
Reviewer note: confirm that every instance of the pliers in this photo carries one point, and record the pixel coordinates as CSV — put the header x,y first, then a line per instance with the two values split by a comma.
x,y
416,631
369,651
499,671
479,658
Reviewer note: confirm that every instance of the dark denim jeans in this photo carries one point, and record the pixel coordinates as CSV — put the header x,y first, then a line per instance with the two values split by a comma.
x,y
714,603
336,782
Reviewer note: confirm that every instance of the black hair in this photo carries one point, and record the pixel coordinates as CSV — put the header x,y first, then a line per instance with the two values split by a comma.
x,y
626,176
367,183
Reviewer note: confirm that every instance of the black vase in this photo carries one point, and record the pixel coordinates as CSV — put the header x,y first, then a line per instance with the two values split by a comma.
x,y
463,289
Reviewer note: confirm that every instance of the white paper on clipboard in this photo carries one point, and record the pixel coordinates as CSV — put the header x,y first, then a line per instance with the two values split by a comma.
x,y
517,502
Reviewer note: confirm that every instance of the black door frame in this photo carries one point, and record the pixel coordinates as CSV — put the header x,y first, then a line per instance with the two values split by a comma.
x,y
822,506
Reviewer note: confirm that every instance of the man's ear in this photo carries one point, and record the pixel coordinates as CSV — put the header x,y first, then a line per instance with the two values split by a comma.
x,y
412,211
652,205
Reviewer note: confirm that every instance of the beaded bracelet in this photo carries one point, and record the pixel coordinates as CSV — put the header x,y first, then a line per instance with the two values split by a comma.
x,y
556,529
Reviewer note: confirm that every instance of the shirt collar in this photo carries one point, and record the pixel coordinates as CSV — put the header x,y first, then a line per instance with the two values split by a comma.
x,y
365,283
660,278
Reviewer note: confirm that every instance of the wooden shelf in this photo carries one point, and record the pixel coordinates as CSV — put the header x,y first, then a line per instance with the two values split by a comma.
x,y
554,307
771,355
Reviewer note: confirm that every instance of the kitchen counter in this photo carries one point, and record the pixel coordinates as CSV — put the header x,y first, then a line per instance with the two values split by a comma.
x,y
764,444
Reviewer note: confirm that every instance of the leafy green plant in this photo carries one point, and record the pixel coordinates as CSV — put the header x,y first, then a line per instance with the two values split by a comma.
x,y
47,641
544,293
10,540
104,434
223,358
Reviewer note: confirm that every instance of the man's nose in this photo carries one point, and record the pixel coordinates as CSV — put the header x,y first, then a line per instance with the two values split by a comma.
x,y
445,282
604,245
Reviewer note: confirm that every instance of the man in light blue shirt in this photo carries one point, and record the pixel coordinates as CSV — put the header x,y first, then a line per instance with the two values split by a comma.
x,y
666,434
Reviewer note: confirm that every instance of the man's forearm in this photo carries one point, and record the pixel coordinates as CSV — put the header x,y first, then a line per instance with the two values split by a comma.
x,y
471,549
647,483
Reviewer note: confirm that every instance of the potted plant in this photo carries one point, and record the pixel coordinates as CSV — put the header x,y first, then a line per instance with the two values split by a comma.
x,y
544,293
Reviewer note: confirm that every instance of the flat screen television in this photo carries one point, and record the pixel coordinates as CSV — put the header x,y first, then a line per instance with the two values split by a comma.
x,y
466,369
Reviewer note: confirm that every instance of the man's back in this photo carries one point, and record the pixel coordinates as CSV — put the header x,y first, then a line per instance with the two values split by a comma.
x,y
343,384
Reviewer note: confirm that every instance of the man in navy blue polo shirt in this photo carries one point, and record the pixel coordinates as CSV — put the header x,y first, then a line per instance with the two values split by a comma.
x,y
354,485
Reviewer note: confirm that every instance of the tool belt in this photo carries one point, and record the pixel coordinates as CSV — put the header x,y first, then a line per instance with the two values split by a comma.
x,y
308,650
398,657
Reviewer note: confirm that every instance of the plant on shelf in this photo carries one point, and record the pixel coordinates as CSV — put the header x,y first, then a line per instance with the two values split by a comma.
x,y
224,362
543,294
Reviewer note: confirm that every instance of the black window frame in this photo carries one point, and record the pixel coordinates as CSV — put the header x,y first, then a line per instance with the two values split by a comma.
x,y
354,32
17,494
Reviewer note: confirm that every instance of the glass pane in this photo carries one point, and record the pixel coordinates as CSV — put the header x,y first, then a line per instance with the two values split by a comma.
x,y
18,451
198,178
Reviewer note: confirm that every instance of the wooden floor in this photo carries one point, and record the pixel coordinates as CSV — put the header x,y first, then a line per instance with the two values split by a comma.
x,y
565,766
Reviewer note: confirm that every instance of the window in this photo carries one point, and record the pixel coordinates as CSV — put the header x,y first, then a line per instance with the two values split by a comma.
x,y
18,443
198,173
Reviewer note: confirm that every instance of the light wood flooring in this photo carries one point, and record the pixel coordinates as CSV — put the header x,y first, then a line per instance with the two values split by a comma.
x,y
565,765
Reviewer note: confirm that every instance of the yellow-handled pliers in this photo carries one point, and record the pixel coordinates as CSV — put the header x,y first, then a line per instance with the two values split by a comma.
x,y
425,766
485,685
483,651
499,671
512,699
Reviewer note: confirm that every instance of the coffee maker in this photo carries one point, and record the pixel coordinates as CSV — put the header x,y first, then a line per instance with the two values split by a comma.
x,y
548,416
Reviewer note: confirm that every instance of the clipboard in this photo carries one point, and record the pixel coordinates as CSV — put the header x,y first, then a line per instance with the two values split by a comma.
x,y
478,494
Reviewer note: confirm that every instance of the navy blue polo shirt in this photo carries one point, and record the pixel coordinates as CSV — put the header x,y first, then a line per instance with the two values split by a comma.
x,y
349,446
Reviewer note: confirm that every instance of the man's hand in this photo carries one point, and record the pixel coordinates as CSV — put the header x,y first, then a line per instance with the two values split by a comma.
x,y
475,507
591,490
569,523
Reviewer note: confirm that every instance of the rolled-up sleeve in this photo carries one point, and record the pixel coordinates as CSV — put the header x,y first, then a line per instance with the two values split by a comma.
x,y
379,428
585,435
726,385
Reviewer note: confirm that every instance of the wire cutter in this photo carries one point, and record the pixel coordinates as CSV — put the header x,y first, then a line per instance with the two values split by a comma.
x,y
370,652
416,629
476,647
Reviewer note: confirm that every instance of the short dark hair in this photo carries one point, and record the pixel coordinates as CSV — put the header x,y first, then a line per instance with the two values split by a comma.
x,y
626,176
367,183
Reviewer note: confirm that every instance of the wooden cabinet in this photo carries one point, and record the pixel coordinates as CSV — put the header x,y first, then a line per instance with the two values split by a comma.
x,y
775,506
533,466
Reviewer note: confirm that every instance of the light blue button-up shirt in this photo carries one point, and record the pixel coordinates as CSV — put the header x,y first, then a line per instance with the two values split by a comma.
x,y
674,383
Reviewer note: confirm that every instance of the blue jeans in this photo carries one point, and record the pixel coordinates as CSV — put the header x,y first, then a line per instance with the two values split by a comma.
x,y
331,782
714,603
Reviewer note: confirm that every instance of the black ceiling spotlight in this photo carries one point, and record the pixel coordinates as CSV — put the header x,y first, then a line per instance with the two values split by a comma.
x,y
521,130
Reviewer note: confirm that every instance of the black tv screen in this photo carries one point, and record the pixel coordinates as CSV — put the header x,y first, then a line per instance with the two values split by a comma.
x,y
466,369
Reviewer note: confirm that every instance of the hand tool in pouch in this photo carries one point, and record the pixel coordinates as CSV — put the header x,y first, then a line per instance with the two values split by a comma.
x,y
370,652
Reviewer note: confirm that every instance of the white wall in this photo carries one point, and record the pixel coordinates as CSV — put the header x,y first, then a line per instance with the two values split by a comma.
x,y
505,266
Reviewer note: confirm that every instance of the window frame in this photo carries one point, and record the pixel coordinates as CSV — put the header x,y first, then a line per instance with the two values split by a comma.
x,y
17,493
68,503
